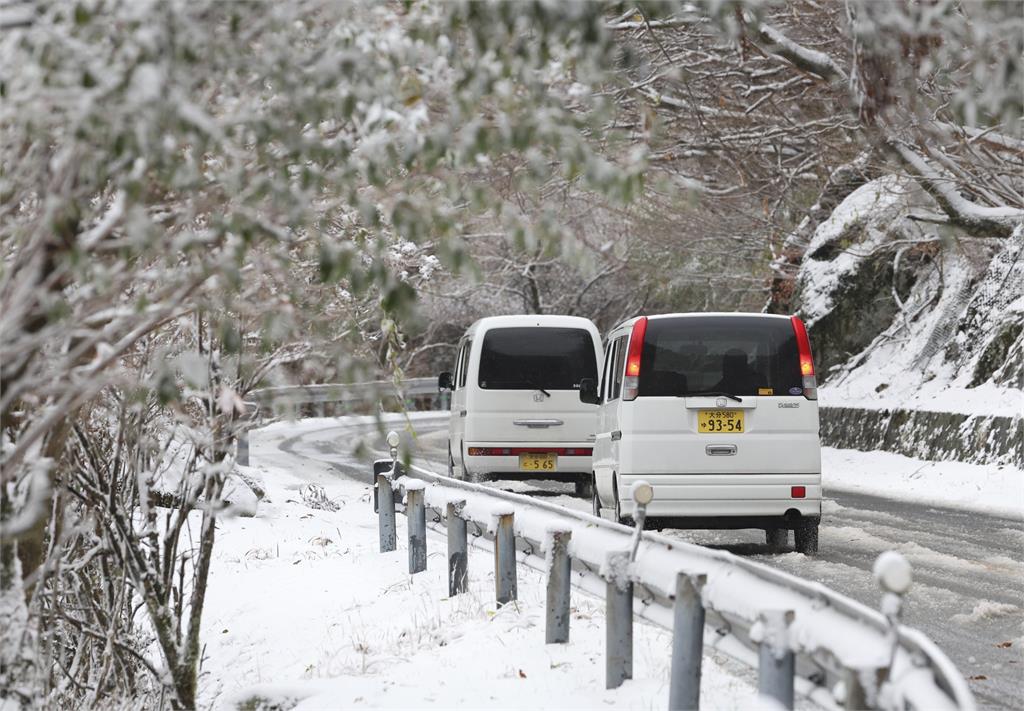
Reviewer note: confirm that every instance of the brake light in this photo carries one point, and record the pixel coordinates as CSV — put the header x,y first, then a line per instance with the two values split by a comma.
x,y
803,345
631,382
798,492
516,451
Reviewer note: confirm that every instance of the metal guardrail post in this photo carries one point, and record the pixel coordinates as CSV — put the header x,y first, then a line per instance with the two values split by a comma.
x,y
862,686
386,512
619,596
618,623
559,584
505,584
242,454
416,513
458,548
776,659
687,643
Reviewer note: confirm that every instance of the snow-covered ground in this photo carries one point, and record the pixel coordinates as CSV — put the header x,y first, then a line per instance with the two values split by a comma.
x,y
987,488
303,609
861,389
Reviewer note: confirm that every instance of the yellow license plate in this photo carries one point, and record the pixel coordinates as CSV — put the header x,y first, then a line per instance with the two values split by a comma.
x,y
720,421
538,462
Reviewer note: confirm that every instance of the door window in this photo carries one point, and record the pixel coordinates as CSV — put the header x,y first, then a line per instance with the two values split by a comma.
x,y
606,383
618,367
463,364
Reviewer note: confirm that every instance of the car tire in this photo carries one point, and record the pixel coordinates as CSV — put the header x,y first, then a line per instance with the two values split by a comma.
x,y
807,539
479,477
595,499
619,518
584,487
451,462
776,538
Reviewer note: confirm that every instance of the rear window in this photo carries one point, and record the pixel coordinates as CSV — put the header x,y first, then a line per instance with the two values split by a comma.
x,y
739,355
536,357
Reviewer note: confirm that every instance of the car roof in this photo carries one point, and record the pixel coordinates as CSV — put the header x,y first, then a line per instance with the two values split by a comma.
x,y
527,320
691,314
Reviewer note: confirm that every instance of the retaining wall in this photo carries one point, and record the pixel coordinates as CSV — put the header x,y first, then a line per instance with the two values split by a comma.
x,y
928,435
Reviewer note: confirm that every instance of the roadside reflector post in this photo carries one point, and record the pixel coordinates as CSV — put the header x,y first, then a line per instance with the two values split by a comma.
x,y
618,621
505,584
895,576
458,548
776,659
687,642
559,572
416,513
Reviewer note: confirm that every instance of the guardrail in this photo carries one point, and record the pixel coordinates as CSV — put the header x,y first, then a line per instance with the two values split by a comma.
x,y
803,637
290,397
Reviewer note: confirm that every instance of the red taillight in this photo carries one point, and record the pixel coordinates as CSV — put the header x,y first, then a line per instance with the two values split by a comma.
x,y
803,345
636,347
516,451
631,382
798,492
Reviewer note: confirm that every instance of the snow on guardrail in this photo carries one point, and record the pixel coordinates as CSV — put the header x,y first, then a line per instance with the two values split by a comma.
x,y
845,651
846,654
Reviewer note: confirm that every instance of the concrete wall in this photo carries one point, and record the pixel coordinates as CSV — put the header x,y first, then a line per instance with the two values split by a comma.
x,y
926,435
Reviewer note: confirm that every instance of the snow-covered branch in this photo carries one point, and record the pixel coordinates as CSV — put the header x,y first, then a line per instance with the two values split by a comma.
x,y
977,219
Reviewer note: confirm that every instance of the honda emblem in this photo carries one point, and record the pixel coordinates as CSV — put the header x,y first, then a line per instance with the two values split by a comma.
x,y
721,402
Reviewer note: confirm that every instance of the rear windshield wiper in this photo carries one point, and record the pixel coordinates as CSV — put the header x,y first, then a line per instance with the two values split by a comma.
x,y
535,386
737,398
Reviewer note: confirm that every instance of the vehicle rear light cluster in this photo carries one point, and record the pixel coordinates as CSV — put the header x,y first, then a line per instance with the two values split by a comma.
x,y
631,381
798,492
516,451
803,344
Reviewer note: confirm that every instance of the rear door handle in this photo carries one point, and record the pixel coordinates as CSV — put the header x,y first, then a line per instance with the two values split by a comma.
x,y
616,435
720,450
462,413
536,424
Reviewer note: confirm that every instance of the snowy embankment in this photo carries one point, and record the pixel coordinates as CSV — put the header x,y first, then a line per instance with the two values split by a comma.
x,y
303,610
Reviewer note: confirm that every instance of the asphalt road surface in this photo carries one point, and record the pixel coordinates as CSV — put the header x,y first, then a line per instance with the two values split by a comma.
x,y
968,592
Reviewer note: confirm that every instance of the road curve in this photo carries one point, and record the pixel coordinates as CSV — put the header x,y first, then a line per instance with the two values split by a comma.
x,y
968,592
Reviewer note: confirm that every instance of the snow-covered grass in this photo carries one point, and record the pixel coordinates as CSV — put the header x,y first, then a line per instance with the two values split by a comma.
x,y
988,488
302,609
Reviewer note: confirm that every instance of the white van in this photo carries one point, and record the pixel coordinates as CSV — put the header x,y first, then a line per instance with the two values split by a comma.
x,y
515,405
719,412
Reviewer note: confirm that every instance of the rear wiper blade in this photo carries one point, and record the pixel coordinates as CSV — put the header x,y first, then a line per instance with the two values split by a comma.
x,y
737,398
535,386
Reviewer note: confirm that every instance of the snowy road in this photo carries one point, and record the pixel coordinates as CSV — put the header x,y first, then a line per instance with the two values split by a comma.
x,y
968,592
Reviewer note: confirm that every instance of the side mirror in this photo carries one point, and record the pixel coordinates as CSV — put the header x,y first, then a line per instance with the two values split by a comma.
x,y
444,381
588,391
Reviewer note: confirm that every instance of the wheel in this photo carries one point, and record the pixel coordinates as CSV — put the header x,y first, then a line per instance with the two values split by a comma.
x,y
619,518
478,477
807,539
451,462
584,487
777,538
594,498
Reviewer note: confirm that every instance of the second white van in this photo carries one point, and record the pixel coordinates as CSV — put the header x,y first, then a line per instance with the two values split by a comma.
x,y
719,413
515,406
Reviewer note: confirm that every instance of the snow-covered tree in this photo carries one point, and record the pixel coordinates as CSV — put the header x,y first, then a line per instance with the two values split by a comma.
x,y
195,195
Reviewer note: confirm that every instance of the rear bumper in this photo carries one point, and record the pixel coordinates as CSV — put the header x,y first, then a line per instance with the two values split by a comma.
x,y
727,500
568,467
